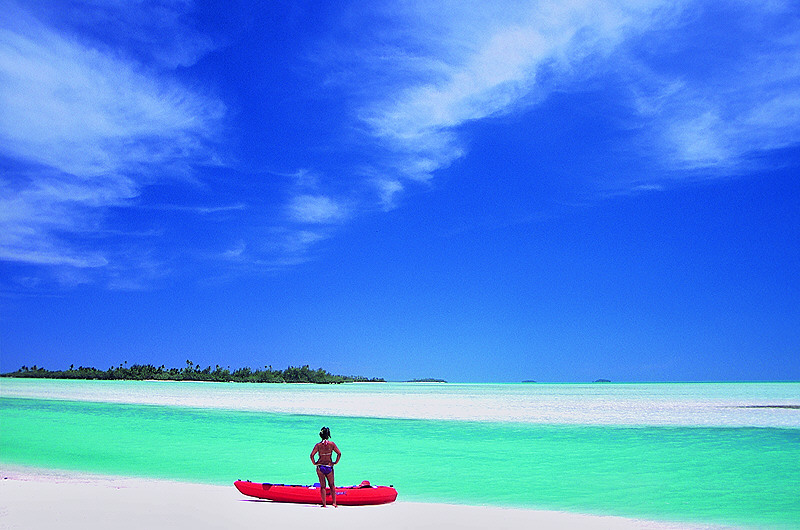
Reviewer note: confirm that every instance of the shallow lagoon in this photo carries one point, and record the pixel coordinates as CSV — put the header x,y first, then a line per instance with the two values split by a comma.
x,y
624,464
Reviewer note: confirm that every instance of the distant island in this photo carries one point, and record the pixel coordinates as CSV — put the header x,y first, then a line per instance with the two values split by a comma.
x,y
602,380
192,372
426,380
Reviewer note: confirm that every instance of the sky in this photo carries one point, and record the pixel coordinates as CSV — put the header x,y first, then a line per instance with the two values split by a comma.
x,y
474,191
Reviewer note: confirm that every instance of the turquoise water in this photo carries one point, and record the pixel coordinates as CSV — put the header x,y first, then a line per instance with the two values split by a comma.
x,y
728,475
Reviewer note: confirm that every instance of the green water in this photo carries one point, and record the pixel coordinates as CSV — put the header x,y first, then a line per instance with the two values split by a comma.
x,y
744,476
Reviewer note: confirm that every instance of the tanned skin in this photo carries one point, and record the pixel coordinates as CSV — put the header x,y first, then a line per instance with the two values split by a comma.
x,y
325,450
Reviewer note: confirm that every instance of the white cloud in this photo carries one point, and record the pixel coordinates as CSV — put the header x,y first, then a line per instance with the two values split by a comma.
x,y
159,31
724,122
297,242
315,209
75,109
45,256
91,128
722,113
286,247
387,189
484,60
699,140
458,62
201,210
235,252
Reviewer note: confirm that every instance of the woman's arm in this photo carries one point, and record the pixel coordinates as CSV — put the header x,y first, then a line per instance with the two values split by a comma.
x,y
338,453
316,448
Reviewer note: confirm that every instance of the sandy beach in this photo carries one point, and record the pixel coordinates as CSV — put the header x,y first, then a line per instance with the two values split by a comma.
x,y
43,499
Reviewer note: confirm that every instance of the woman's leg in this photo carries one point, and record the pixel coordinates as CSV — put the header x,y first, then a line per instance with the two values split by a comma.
x,y
321,485
332,487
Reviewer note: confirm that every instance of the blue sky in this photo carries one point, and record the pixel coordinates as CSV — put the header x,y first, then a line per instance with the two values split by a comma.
x,y
477,191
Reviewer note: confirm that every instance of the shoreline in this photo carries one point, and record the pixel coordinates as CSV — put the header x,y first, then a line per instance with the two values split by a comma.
x,y
32,497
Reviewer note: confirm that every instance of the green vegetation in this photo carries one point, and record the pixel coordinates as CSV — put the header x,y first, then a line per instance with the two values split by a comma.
x,y
192,372
426,380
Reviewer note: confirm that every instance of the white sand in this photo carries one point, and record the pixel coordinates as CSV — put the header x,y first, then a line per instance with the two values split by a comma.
x,y
32,499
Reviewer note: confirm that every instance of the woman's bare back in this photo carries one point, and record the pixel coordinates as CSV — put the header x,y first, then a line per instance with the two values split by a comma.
x,y
325,449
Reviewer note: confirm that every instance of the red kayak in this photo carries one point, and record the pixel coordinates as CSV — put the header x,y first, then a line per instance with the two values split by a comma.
x,y
362,494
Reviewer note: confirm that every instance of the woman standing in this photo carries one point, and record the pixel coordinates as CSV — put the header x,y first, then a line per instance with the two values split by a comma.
x,y
324,464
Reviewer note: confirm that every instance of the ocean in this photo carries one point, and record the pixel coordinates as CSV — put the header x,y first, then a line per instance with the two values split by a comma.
x,y
717,453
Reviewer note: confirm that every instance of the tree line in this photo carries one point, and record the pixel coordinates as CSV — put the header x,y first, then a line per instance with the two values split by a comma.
x,y
192,372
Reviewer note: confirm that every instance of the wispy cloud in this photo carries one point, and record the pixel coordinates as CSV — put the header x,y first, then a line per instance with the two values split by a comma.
x,y
201,210
729,100
757,111
314,209
481,61
86,113
91,128
387,190
153,29
92,115
457,63
235,252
